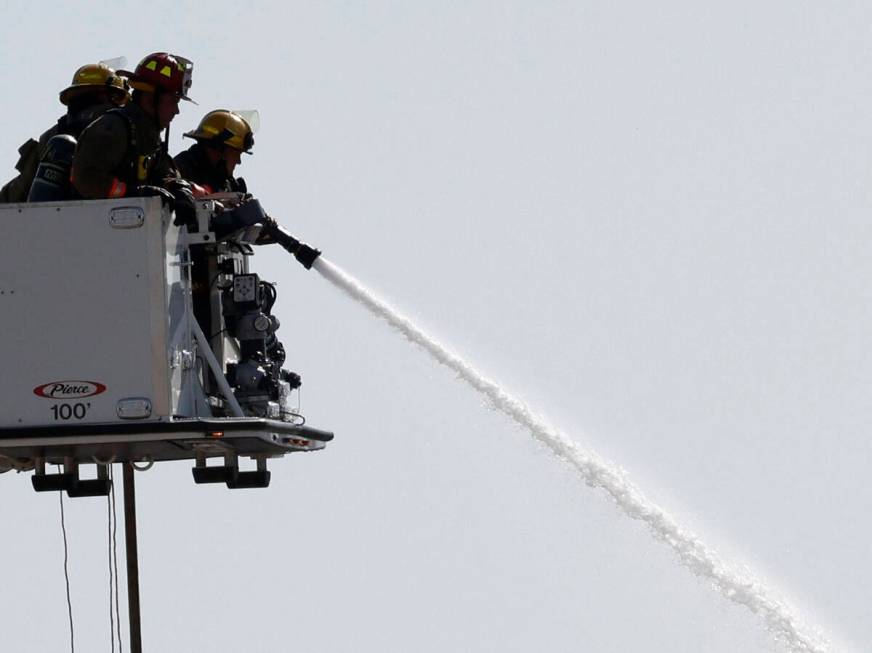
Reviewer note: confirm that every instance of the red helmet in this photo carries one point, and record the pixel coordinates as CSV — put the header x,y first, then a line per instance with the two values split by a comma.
x,y
164,72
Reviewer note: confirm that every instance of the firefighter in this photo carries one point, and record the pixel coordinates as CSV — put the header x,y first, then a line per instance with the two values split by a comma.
x,y
121,153
221,138
95,89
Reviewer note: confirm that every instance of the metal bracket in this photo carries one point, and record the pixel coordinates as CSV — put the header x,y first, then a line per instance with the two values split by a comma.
x,y
229,473
69,480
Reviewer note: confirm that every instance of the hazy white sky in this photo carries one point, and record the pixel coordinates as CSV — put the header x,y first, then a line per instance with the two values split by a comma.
x,y
651,220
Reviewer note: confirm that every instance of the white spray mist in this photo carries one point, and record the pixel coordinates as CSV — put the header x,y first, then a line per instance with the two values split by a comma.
x,y
735,583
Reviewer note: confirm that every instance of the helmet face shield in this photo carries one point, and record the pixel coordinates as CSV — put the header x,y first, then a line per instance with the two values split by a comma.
x,y
251,116
187,67
115,62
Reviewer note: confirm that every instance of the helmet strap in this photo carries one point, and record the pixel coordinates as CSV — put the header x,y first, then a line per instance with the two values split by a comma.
x,y
155,101
222,165
165,146
216,143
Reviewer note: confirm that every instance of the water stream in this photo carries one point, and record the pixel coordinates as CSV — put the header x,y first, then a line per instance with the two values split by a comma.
x,y
734,582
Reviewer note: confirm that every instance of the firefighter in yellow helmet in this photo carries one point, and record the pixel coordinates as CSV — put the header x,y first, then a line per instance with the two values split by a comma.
x,y
96,81
95,89
221,138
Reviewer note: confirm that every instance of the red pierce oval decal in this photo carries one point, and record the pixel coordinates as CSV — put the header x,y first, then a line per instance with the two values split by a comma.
x,y
69,389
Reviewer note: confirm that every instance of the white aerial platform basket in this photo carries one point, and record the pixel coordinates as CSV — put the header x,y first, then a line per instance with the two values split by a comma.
x,y
89,294
103,357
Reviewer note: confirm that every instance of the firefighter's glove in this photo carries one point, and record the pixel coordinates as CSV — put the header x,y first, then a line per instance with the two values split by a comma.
x,y
165,196
267,232
186,206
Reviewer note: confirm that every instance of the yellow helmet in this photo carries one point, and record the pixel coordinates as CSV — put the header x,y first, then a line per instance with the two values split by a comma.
x,y
94,76
223,127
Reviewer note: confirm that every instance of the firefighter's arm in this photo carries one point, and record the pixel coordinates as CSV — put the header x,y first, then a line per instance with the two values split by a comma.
x,y
100,151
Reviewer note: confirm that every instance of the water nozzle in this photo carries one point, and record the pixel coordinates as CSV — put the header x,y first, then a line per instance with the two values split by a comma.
x,y
251,213
304,253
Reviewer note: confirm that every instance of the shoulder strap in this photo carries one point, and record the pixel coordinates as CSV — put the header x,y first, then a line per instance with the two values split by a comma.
x,y
131,126
134,164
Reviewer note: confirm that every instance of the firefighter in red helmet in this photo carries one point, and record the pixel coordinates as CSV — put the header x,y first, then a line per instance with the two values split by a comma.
x,y
121,153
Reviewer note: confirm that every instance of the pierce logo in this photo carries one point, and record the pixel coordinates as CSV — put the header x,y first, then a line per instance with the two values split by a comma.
x,y
69,389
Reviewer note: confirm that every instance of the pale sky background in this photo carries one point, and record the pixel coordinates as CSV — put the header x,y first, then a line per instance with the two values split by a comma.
x,y
651,220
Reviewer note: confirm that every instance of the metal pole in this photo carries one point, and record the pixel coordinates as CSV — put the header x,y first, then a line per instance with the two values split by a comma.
x,y
132,559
